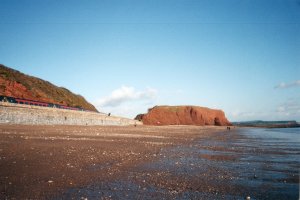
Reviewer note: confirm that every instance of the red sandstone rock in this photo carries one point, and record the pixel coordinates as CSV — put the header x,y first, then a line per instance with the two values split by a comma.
x,y
16,84
183,115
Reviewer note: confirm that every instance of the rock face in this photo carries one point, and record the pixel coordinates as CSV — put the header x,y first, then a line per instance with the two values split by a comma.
x,y
183,115
16,84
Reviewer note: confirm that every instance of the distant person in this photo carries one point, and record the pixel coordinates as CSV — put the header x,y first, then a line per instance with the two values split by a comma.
x,y
108,114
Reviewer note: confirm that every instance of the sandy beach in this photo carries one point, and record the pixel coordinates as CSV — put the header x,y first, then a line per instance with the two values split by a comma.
x,y
143,162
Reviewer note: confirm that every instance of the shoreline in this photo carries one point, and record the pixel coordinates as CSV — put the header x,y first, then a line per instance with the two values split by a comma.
x,y
113,162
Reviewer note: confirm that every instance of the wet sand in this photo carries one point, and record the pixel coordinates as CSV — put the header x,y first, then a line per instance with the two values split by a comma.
x,y
143,162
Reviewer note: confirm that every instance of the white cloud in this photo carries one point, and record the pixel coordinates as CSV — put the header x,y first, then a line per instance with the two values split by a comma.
x,y
288,85
126,94
246,115
289,108
179,92
127,101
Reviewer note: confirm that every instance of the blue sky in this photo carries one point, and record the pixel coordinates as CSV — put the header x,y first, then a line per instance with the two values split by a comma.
x,y
241,56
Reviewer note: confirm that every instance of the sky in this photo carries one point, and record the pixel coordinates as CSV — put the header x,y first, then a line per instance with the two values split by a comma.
x,y
125,56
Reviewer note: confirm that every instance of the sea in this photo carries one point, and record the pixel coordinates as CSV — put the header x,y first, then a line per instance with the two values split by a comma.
x,y
275,156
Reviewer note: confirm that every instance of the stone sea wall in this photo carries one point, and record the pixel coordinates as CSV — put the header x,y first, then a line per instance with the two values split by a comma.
x,y
25,114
